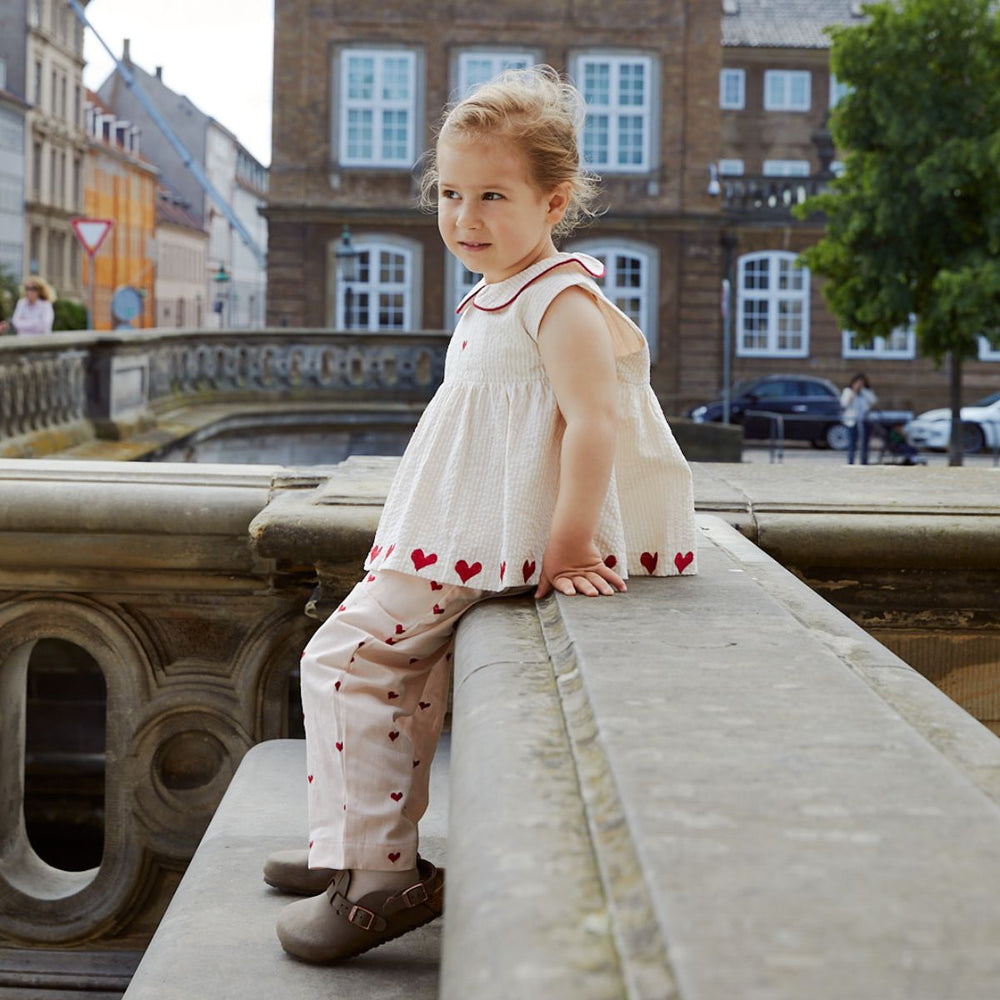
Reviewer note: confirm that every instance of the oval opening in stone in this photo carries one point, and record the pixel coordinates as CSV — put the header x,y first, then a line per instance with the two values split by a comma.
x,y
64,760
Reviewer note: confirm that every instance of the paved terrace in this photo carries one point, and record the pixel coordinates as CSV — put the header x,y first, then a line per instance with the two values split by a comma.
x,y
714,788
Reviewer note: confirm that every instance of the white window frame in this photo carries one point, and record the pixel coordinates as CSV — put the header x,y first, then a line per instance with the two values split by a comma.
x,y
739,76
409,287
774,297
987,352
608,251
499,60
731,168
378,107
615,110
787,168
900,344
784,101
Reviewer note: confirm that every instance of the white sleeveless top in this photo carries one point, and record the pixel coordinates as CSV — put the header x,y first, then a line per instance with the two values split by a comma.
x,y
472,501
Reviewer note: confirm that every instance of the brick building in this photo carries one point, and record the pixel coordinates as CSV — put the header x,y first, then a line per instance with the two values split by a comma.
x,y
707,121
775,94
357,92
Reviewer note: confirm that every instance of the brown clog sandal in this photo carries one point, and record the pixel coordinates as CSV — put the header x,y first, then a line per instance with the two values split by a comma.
x,y
331,927
289,871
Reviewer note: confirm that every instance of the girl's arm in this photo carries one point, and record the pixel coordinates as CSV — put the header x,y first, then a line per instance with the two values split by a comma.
x,y
576,351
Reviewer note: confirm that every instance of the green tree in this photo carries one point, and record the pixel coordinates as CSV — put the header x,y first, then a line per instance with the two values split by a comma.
x,y
913,224
8,292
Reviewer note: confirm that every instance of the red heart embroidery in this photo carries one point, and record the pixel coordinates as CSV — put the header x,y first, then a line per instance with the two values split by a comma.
x,y
388,551
436,586
310,779
682,561
371,577
339,746
311,844
464,342
343,607
413,659
610,561
392,694
394,857
438,610
420,560
503,569
394,735
391,641
376,549
425,704
399,629
649,561
467,572
528,569
360,644
416,762
336,687
395,796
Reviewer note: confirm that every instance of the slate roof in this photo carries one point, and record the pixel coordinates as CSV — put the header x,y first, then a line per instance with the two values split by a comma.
x,y
796,24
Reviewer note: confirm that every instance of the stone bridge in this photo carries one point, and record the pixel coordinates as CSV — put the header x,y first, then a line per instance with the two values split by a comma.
x,y
802,809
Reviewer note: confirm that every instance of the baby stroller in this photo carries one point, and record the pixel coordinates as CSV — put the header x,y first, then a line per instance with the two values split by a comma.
x,y
895,449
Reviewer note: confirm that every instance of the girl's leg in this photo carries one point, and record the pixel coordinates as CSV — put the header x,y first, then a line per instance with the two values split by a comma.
x,y
375,679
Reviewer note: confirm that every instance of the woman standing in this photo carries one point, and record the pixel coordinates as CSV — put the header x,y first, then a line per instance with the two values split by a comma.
x,y
857,399
33,312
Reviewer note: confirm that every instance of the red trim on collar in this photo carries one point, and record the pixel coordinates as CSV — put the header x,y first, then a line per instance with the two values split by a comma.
x,y
559,263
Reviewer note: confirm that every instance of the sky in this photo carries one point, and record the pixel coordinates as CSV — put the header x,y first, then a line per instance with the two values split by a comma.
x,y
218,53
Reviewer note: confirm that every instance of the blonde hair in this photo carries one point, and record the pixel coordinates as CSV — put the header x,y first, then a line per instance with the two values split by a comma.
x,y
540,113
44,288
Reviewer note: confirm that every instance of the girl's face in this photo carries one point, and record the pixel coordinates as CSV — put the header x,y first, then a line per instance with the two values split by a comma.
x,y
490,214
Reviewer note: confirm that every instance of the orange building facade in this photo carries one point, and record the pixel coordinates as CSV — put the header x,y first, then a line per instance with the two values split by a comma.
x,y
119,185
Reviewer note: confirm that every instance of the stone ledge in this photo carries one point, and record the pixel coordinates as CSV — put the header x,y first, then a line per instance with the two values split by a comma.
x,y
806,816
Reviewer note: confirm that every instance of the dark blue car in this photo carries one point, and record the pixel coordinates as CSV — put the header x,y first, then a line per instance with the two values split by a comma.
x,y
808,407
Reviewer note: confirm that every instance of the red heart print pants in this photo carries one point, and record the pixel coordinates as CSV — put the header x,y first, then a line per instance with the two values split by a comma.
x,y
375,682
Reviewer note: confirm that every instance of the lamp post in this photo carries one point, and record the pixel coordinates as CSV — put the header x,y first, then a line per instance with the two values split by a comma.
x,y
221,279
347,272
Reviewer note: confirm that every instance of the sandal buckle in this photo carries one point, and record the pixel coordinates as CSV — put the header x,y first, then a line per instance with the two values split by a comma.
x,y
416,894
361,917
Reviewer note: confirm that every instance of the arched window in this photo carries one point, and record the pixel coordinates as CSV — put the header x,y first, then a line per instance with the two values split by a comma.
x,y
383,295
772,306
629,281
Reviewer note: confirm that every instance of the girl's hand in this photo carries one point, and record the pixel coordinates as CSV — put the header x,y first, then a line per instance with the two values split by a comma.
x,y
576,569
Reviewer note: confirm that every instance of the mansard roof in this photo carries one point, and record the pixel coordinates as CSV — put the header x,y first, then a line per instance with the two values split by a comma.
x,y
796,24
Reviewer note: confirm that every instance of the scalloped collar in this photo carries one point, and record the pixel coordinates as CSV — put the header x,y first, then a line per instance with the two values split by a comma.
x,y
493,298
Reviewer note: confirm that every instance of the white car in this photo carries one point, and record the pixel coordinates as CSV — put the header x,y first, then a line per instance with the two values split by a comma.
x,y
980,426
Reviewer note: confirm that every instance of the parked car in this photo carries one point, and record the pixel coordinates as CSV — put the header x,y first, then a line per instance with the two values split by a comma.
x,y
980,426
810,408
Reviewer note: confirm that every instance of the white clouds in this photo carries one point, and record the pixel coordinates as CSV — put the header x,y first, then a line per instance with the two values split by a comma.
x,y
216,52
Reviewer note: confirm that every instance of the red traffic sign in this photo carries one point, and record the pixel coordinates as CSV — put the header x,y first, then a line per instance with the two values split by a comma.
x,y
91,232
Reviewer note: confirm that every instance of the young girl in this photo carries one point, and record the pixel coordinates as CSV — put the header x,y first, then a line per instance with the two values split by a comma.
x,y
543,463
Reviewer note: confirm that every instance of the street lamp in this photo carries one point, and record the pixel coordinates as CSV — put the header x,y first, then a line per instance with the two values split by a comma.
x,y
347,272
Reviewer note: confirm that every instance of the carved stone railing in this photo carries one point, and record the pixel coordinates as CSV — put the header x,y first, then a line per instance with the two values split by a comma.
x,y
147,571
59,389
771,197
42,387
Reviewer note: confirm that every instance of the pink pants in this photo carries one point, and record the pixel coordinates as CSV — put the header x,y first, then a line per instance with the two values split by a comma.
x,y
375,682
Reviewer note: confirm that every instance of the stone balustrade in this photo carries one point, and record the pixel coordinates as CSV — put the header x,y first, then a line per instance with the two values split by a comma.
x,y
42,387
148,572
58,390
751,195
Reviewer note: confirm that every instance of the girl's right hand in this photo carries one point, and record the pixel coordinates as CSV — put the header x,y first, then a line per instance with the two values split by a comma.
x,y
576,570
